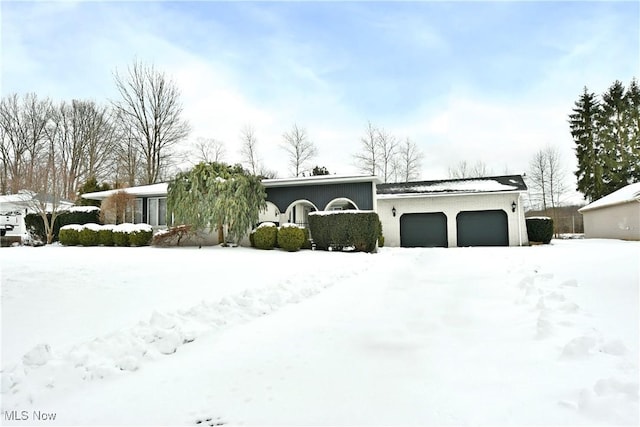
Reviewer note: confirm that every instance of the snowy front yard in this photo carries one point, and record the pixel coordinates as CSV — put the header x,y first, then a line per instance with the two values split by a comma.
x,y
212,336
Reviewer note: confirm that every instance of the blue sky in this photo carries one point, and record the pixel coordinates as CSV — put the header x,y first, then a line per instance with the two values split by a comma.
x,y
489,81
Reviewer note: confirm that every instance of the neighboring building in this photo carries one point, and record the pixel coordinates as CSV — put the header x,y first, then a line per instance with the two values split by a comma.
x,y
616,216
14,208
471,212
452,213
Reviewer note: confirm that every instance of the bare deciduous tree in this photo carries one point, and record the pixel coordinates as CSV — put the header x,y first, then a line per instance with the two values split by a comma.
x,y
547,176
366,160
208,150
408,161
464,170
299,148
248,149
150,108
23,122
387,146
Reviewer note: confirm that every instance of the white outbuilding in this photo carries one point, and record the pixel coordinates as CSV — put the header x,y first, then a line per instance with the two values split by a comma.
x,y
616,216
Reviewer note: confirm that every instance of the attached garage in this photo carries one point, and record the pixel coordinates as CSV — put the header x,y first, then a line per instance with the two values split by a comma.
x,y
483,228
487,211
423,230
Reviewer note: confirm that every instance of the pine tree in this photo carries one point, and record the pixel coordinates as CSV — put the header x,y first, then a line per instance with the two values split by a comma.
x,y
614,134
633,103
214,196
584,130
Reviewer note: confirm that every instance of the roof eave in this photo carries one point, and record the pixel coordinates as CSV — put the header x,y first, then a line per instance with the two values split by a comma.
x,y
446,194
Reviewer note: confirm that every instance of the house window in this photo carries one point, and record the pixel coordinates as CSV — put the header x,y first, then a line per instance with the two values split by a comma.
x,y
158,211
137,211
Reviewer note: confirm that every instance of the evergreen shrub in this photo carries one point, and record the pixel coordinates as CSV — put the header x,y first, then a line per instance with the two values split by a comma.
x,y
88,236
265,236
120,238
345,230
290,237
251,239
105,236
140,237
540,229
69,236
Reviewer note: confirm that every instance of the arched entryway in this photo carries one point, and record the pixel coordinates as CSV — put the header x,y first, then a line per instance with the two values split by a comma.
x,y
298,212
271,213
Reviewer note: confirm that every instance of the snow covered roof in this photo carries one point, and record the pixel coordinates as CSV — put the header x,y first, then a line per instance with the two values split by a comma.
x,y
142,190
493,184
319,179
628,194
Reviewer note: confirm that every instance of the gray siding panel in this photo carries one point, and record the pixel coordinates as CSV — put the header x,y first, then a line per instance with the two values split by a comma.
x,y
361,193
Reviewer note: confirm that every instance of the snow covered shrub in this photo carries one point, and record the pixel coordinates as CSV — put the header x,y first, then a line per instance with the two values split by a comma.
x,y
338,230
88,236
105,236
140,237
120,238
265,236
540,229
290,237
69,235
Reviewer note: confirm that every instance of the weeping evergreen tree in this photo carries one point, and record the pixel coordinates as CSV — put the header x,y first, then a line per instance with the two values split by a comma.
x,y
589,150
215,196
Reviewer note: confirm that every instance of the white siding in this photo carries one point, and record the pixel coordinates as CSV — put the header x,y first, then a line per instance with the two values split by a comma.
x,y
451,206
613,222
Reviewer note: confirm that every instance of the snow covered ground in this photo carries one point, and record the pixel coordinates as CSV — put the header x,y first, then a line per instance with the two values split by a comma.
x,y
235,336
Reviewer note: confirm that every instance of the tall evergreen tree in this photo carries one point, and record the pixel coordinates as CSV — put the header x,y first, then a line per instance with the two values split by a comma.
x,y
633,103
584,130
614,135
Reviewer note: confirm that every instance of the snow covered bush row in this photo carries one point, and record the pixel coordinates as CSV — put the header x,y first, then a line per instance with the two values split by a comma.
x,y
289,237
106,235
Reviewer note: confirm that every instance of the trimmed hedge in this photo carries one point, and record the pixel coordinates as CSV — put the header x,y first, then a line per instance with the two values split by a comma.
x,y
140,238
81,216
69,236
265,236
290,237
540,229
345,230
107,235
120,238
88,237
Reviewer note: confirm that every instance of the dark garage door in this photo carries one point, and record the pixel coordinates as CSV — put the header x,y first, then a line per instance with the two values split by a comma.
x,y
423,230
482,228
